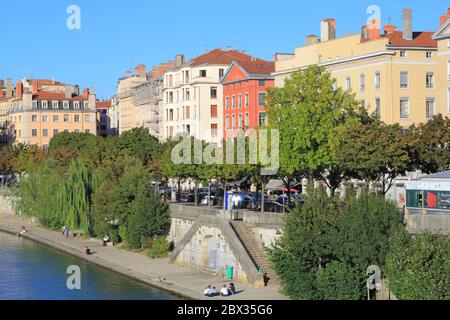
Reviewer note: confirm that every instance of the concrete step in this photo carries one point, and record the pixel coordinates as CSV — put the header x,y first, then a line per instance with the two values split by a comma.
x,y
254,249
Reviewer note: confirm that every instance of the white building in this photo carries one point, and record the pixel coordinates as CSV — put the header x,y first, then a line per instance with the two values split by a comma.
x,y
193,95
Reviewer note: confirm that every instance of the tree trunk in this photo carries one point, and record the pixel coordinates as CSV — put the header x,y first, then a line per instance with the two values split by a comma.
x,y
196,193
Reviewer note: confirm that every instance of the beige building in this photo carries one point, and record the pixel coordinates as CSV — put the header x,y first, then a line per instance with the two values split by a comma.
x,y
6,96
442,36
139,98
128,117
395,74
41,109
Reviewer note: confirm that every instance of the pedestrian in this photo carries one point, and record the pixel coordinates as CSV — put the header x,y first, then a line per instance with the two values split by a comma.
x,y
66,232
22,231
206,291
105,240
224,291
232,288
212,292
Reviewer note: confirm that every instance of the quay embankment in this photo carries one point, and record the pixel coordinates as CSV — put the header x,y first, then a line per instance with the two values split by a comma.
x,y
160,273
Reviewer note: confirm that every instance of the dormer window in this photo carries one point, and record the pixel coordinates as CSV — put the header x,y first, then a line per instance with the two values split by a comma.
x,y
55,105
86,105
66,104
76,105
44,104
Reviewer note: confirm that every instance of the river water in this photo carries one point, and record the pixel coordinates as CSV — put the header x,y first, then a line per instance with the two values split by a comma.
x,y
32,271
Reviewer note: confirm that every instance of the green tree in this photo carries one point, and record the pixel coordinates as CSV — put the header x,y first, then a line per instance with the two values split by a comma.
x,y
374,152
140,143
364,230
418,266
339,281
306,245
36,194
132,204
431,145
308,111
75,197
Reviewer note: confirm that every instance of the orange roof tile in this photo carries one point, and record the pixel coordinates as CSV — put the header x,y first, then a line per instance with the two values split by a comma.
x,y
219,56
103,104
46,95
420,39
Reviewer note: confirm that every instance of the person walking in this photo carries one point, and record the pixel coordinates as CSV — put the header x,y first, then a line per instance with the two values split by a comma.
x,y
66,232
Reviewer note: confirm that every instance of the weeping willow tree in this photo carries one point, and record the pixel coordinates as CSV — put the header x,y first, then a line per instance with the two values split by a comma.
x,y
37,192
74,198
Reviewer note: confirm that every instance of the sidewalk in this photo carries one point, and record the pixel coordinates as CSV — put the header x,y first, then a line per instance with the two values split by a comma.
x,y
157,272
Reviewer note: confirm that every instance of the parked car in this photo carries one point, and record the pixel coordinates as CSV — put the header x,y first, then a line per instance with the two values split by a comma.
x,y
273,206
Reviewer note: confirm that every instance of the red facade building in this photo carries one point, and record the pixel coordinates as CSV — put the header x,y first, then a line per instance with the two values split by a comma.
x,y
244,95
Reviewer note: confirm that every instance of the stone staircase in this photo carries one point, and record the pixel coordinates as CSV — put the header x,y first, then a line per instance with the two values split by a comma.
x,y
254,249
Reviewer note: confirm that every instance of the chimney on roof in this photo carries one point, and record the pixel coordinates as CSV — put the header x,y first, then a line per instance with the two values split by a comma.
x,y
327,29
85,93
77,90
179,60
374,29
19,89
34,86
68,92
140,71
444,18
9,90
389,29
407,24
364,33
2,84
311,39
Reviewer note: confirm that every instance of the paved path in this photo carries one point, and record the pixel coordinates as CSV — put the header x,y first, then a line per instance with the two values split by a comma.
x,y
157,272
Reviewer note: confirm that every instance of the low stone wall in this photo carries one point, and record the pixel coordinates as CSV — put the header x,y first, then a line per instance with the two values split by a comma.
x,y
435,223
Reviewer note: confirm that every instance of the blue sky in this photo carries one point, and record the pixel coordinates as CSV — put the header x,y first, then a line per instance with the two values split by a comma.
x,y
116,35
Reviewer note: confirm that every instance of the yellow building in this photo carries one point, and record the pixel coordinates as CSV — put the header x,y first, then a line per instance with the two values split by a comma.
x,y
442,36
396,74
40,109
128,115
6,95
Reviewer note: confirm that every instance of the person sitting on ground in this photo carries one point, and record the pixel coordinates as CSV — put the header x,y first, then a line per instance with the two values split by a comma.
x,y
206,291
212,292
224,291
105,240
87,251
232,288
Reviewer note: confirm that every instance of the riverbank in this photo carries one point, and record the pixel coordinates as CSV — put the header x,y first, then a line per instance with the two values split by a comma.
x,y
155,272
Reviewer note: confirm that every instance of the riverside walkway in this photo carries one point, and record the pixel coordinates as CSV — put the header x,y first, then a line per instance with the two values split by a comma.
x,y
157,272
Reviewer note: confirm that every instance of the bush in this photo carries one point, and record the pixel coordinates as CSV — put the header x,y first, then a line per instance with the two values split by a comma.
x,y
418,267
339,281
160,248
114,235
327,245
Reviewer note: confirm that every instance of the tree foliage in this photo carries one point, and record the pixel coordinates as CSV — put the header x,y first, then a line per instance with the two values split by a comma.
x,y
327,245
308,111
418,266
